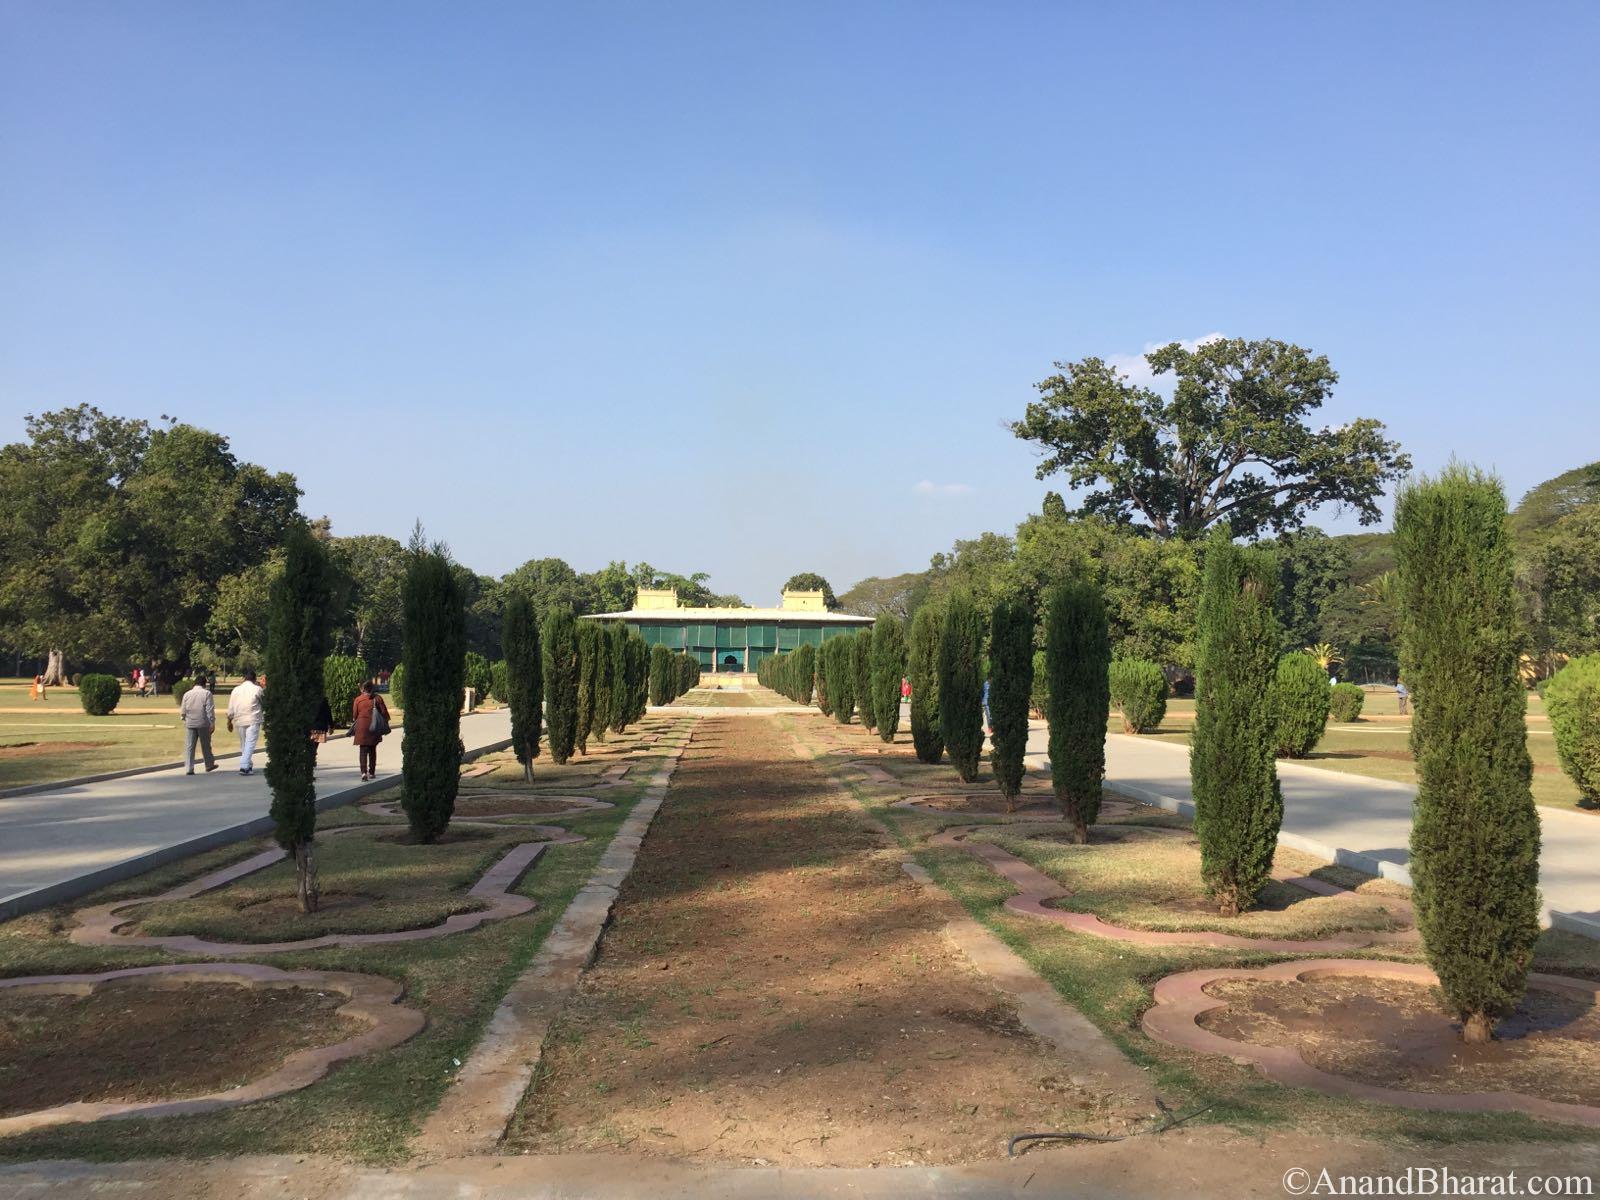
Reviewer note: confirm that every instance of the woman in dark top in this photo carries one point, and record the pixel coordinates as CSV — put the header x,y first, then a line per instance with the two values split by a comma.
x,y
362,732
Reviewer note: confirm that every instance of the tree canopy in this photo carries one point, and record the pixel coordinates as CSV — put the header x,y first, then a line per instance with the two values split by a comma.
x,y
810,581
1232,442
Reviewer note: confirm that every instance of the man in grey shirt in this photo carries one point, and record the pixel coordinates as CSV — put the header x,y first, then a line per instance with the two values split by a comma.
x,y
199,711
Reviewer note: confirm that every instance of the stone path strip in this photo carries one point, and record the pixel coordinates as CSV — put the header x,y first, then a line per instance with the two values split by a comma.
x,y
1035,890
98,925
371,998
472,1117
1181,999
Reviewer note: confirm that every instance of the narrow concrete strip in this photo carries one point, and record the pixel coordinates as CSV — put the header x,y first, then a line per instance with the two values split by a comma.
x,y
474,1113
1093,1060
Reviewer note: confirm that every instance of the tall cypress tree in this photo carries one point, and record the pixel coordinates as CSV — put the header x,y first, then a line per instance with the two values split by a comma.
x,y
604,683
804,663
519,638
662,674
922,669
825,689
621,677
588,632
297,642
435,658
1077,652
961,684
840,653
1010,683
861,676
888,669
1475,830
638,675
1232,757
560,646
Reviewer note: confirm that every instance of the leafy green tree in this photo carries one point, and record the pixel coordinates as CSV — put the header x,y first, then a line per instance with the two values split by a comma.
x,y
611,589
435,658
663,675
961,685
895,595
927,728
297,640
810,581
240,609
1565,574
888,670
589,646
551,584
1231,445
559,643
839,653
861,676
1077,652
1301,692
1139,690
1232,758
373,571
342,677
1313,569
1474,831
1010,684
524,678
1572,698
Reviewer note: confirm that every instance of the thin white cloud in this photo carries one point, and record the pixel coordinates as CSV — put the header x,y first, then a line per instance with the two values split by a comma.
x,y
1138,371
928,488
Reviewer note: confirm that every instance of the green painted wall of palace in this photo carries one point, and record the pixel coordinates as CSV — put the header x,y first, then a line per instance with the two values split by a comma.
x,y
747,642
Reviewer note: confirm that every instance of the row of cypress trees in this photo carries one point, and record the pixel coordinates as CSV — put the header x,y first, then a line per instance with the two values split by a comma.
x,y
671,674
849,676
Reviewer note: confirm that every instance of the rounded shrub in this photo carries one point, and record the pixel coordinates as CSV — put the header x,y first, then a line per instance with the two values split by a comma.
x,y
479,676
1572,698
1345,701
342,677
1139,690
397,686
180,688
99,694
1301,692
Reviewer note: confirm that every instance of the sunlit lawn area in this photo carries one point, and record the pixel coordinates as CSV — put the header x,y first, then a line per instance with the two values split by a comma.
x,y
1378,745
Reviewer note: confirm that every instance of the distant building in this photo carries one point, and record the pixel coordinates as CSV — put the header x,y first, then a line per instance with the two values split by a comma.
x,y
734,639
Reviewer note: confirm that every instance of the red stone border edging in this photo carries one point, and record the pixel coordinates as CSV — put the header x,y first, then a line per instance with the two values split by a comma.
x,y
1181,999
371,998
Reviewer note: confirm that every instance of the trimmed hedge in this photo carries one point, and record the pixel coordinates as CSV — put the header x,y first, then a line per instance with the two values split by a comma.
x,y
1139,690
478,675
1300,690
397,686
1345,701
1572,698
342,677
179,689
99,694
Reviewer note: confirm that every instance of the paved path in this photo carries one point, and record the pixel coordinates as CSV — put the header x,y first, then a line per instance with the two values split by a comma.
x,y
1364,822
64,843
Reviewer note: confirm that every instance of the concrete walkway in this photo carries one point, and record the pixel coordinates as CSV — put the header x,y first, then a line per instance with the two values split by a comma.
x,y
1363,822
59,844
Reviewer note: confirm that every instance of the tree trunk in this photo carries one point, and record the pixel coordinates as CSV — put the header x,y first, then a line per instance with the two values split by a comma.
x,y
527,771
1011,800
55,672
1228,902
1069,810
305,870
1477,1029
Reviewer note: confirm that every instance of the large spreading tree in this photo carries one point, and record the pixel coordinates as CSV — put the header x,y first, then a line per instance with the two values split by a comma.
x,y
1231,443
810,581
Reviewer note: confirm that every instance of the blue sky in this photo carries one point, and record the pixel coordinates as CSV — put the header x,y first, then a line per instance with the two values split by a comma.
x,y
751,288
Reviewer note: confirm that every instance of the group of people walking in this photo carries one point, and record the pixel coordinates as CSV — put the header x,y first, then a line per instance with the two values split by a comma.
x,y
369,721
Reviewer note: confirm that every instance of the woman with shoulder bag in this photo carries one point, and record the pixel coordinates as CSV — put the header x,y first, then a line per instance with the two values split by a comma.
x,y
369,718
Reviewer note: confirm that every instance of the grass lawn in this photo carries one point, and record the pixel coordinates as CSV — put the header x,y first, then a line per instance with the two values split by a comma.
x,y
366,1109
1110,982
1378,745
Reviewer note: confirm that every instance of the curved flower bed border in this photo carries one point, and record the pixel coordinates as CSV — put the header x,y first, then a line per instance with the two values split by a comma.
x,y
98,925
1035,890
371,998
1180,1000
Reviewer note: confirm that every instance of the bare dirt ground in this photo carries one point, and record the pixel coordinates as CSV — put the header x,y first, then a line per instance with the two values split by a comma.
x,y
1394,1034
145,1043
774,991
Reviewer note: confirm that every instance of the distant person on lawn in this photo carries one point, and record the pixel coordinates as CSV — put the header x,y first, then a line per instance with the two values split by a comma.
x,y
369,721
199,710
38,687
1402,696
244,715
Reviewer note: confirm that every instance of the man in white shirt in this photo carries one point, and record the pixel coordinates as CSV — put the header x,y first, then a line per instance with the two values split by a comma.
x,y
199,711
244,715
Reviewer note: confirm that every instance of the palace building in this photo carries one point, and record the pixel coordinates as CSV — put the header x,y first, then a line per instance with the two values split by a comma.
x,y
734,639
